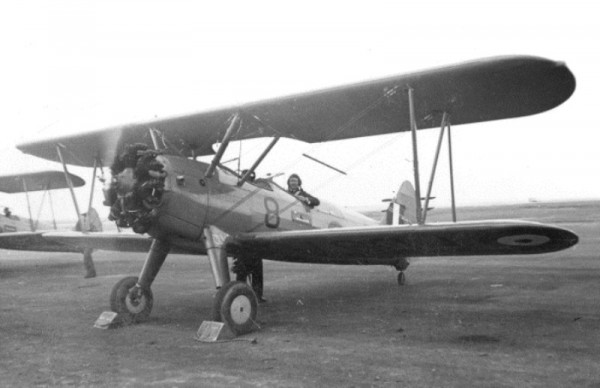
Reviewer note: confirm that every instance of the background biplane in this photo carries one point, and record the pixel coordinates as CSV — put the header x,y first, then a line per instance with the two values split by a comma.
x,y
192,206
24,183
27,233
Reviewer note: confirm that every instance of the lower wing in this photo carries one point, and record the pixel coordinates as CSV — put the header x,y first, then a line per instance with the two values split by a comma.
x,y
73,241
385,244
33,241
358,245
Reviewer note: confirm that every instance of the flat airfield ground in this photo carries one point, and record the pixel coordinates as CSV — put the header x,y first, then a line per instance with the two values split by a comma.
x,y
526,321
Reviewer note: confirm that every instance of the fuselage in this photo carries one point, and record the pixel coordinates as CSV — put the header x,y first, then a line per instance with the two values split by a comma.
x,y
14,223
191,201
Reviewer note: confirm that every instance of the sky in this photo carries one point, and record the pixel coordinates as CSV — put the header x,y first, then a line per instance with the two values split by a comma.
x,y
81,65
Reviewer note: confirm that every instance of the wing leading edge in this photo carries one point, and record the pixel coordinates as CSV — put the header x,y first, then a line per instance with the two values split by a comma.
x,y
483,90
385,244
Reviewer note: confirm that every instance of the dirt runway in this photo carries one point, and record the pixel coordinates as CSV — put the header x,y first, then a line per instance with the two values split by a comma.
x,y
526,321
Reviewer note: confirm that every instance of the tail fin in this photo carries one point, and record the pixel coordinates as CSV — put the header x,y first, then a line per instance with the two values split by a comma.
x,y
403,207
91,222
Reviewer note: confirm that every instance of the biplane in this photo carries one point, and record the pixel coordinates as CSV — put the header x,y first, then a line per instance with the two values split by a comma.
x,y
17,232
177,203
27,234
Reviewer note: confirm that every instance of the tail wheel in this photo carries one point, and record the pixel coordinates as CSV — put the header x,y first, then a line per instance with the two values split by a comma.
x,y
132,302
238,307
401,278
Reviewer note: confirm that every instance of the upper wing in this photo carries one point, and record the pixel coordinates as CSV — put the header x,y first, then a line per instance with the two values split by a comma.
x,y
35,181
383,244
483,90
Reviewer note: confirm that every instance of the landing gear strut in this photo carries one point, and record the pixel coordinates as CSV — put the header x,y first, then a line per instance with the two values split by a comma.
x,y
235,303
250,270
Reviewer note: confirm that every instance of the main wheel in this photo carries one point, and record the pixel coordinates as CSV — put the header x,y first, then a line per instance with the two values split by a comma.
x,y
134,303
238,307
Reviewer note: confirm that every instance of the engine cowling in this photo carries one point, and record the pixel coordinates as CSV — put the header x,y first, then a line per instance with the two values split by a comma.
x,y
136,189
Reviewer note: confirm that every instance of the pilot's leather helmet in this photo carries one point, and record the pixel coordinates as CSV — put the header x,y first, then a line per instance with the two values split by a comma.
x,y
295,176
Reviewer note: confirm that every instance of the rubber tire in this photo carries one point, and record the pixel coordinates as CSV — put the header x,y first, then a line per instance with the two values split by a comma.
x,y
401,278
216,310
232,294
119,301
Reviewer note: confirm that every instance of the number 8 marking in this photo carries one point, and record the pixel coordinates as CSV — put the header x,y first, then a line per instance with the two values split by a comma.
x,y
272,215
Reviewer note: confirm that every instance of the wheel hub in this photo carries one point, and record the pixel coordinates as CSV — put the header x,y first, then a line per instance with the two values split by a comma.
x,y
241,309
135,301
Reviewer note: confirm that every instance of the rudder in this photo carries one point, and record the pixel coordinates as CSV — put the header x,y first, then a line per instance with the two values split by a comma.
x,y
403,207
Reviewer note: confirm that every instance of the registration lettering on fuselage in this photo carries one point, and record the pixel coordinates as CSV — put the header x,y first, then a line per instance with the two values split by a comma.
x,y
301,217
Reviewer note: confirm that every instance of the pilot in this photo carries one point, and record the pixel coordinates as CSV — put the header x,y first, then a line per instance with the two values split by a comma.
x,y
295,188
7,212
